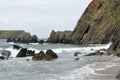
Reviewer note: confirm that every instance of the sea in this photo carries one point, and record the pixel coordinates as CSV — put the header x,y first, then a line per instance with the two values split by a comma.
x,y
65,67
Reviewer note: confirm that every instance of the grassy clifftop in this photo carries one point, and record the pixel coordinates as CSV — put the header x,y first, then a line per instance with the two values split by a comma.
x,y
4,34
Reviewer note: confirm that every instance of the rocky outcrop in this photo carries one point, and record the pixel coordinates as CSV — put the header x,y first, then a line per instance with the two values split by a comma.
x,y
99,24
59,37
24,53
49,55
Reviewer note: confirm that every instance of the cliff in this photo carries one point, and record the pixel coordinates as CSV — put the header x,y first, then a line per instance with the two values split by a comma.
x,y
5,34
18,36
100,23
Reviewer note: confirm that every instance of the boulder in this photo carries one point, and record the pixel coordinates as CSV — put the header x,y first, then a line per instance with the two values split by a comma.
x,y
47,57
38,56
30,53
6,54
16,47
50,55
22,53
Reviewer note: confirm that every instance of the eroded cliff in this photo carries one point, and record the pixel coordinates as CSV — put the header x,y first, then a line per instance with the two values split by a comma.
x,y
100,23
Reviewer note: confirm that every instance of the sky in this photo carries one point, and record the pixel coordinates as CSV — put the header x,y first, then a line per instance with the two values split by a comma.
x,y
40,17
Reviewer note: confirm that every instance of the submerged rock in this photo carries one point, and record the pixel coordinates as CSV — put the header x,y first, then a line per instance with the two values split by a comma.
x,y
6,54
2,57
95,54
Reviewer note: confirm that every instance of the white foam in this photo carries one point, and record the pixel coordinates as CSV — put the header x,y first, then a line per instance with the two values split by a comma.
x,y
77,74
84,50
14,52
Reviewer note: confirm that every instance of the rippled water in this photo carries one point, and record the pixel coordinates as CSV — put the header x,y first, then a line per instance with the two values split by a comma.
x,y
63,68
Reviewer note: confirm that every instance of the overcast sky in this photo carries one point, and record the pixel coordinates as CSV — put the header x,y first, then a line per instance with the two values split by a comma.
x,y
40,16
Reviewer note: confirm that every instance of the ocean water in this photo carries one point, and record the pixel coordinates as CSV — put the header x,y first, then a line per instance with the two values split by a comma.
x,y
63,68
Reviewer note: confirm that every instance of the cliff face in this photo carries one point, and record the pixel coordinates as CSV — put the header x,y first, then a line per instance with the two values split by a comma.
x,y
5,34
100,23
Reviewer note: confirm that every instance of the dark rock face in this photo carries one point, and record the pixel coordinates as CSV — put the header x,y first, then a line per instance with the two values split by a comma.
x,y
22,53
59,37
16,47
50,55
6,54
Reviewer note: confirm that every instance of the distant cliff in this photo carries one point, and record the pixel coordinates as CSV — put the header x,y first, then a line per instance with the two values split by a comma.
x,y
100,23
18,36
5,34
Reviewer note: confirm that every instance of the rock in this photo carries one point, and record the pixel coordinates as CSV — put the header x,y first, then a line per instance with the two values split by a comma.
x,y
30,53
16,47
27,59
76,59
50,55
33,39
22,53
6,54
38,56
95,54
118,54
41,41
76,53
59,37
118,75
